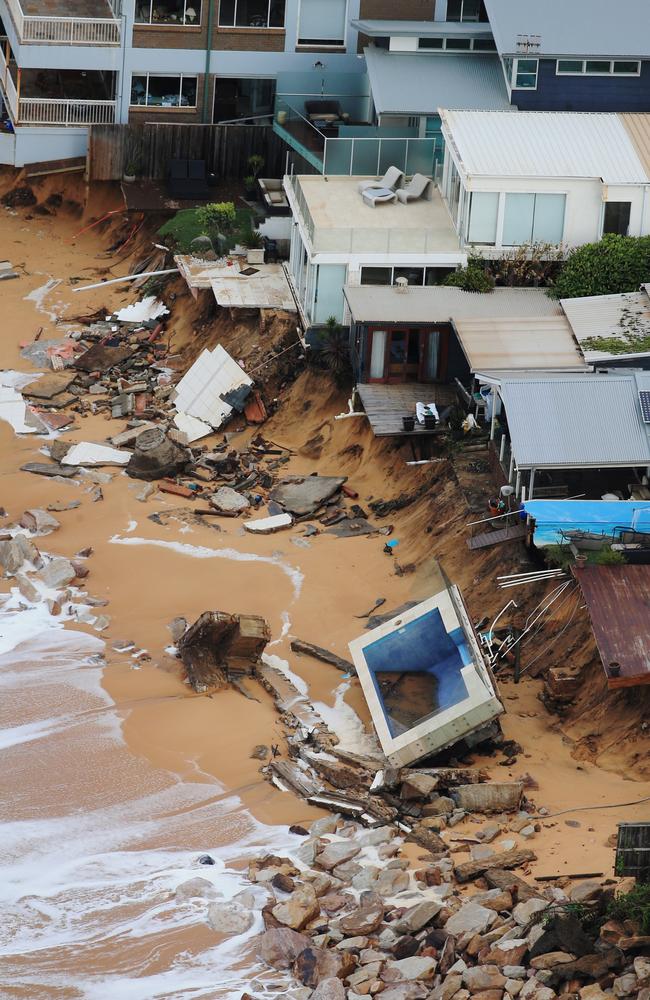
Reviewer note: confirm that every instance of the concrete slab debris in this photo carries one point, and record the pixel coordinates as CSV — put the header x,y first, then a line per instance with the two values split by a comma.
x,y
49,385
304,495
16,412
229,500
267,525
86,453
101,358
47,469
191,427
148,308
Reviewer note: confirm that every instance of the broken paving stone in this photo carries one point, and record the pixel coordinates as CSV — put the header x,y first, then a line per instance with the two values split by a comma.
x,y
304,495
38,521
61,505
230,918
228,500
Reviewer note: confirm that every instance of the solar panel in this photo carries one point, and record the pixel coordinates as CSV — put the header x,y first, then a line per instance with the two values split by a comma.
x,y
644,400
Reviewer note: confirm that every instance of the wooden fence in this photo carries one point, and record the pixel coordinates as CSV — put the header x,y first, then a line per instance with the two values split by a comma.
x,y
225,149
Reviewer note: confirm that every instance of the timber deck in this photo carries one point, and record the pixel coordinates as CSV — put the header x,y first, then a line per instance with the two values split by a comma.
x,y
385,405
510,534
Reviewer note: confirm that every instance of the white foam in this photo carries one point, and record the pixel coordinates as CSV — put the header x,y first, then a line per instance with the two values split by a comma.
x,y
132,525
203,552
284,668
38,296
342,719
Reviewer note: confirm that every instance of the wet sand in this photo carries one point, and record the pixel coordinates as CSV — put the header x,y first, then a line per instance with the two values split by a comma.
x,y
175,778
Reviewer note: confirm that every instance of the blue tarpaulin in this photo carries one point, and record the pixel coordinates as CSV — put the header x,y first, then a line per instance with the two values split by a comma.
x,y
553,518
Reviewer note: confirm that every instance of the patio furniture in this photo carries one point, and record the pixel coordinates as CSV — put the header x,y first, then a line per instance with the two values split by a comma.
x,y
417,188
187,179
325,112
375,196
391,180
273,193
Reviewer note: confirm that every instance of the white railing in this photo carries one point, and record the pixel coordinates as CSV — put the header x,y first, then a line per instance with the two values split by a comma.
x,y
50,111
8,84
64,30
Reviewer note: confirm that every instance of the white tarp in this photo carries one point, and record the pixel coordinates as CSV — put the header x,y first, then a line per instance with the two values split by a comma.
x,y
192,428
139,312
13,407
267,525
213,374
86,453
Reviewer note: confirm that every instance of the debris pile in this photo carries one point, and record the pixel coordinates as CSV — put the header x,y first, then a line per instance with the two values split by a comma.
x,y
220,648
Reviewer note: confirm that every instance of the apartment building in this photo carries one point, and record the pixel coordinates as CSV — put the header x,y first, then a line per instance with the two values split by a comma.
x,y
68,65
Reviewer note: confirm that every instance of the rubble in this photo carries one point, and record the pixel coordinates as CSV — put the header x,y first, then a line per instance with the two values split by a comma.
x,y
302,496
155,456
218,645
38,521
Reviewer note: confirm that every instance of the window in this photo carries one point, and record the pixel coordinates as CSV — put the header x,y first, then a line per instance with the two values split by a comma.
x,y
617,217
484,45
466,10
458,44
525,77
413,275
484,208
156,91
376,275
168,13
251,13
431,43
322,24
533,218
597,67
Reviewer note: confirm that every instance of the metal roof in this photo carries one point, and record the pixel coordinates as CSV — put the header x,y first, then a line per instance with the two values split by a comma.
x,y
544,144
576,421
414,83
440,304
518,343
608,316
618,600
638,129
423,29
582,28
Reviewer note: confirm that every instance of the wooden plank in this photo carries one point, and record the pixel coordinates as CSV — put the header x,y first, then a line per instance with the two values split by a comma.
x,y
488,538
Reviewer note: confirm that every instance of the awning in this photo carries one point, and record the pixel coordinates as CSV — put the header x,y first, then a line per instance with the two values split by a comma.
x,y
518,343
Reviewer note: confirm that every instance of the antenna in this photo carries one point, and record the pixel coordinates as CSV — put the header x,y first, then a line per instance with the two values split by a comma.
x,y
529,43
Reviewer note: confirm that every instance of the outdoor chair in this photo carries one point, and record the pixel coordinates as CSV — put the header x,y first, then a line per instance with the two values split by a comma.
x,y
187,179
390,181
417,188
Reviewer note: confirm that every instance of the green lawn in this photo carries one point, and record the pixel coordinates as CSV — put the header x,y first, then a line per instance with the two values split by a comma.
x,y
185,227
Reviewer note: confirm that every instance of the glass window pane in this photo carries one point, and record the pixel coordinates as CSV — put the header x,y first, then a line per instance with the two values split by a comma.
x,y
364,156
526,81
376,275
429,43
142,12
548,221
188,92
626,67
164,91
413,351
527,65
227,12
414,275
276,14
321,22
252,14
570,65
483,217
597,66
377,352
471,10
617,217
454,10
484,45
139,89
431,354
518,219
458,44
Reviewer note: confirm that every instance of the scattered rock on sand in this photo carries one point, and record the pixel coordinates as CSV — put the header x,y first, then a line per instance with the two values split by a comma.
x,y
280,946
39,521
367,917
337,854
329,989
229,500
59,572
230,918
472,918
11,558
195,887
301,907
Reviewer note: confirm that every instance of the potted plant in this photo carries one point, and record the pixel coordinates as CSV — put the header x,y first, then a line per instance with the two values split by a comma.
x,y
250,188
130,170
255,164
408,423
254,243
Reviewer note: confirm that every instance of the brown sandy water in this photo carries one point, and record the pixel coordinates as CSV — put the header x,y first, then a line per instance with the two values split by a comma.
x,y
117,777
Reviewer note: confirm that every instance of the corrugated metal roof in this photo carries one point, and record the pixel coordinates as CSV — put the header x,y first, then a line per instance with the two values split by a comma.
x,y
544,144
638,129
608,316
618,599
416,83
581,28
423,29
516,343
576,421
440,304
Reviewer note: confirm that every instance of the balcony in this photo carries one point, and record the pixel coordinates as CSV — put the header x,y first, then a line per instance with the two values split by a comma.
x,y
86,22
49,97
336,220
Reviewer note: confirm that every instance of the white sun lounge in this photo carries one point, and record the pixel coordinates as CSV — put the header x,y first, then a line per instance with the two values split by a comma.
x,y
417,187
391,180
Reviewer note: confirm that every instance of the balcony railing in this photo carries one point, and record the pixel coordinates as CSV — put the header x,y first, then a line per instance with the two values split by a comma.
x,y
8,84
45,30
53,111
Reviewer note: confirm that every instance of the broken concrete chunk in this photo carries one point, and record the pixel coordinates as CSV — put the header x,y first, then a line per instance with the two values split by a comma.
x,y
229,500
47,469
491,797
300,496
269,525
38,521
89,454
155,456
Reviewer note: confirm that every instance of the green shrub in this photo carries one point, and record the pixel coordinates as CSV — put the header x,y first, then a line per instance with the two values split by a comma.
x,y
186,225
633,905
473,278
217,218
613,265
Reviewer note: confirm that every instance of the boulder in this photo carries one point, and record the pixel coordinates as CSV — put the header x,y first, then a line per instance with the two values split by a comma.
x,y
391,881
506,953
418,916
483,977
534,990
448,988
551,959
59,572
336,854
524,912
195,888
642,970
594,992
230,918
11,558
471,918
626,985
585,892
329,989
280,946
229,500
314,964
27,588
296,911
416,967
405,991
367,917
562,933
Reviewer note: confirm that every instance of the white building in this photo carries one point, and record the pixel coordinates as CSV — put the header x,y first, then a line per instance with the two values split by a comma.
x,y
513,177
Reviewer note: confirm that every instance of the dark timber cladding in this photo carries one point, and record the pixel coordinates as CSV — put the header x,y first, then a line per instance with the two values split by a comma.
x,y
225,149
618,600
385,405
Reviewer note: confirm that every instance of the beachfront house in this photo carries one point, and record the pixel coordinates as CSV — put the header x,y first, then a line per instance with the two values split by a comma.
x,y
514,178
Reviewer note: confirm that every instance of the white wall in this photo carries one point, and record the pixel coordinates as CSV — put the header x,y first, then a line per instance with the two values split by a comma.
x,y
36,145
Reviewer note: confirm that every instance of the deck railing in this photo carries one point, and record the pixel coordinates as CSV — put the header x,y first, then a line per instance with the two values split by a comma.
x,y
47,30
52,111
8,84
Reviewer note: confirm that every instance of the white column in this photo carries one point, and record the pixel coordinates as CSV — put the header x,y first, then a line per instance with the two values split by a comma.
x,y
493,422
531,484
518,484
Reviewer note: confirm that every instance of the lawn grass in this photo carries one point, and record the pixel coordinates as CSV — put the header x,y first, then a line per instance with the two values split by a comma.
x,y
185,227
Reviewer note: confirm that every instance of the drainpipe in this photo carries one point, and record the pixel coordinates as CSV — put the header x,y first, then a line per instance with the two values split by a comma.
x,y
208,51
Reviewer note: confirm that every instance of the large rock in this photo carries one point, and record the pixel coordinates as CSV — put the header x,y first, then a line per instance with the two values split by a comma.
x,y
405,991
301,907
524,912
562,933
367,917
391,881
59,572
416,967
418,916
230,918
642,970
195,888
483,977
39,521
626,985
229,500
11,558
29,550
506,953
551,959
337,854
585,892
280,946
27,588
156,456
472,918
329,989
534,990
315,964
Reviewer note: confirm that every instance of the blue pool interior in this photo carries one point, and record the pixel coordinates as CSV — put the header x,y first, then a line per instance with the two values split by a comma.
x,y
416,670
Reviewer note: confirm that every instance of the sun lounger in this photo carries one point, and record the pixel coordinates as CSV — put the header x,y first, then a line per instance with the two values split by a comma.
x,y
391,180
417,188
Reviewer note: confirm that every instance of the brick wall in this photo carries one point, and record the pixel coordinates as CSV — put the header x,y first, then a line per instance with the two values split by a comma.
x,y
405,10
